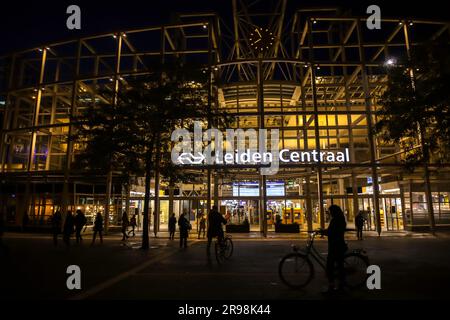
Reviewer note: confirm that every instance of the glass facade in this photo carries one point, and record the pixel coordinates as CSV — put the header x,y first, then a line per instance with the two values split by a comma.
x,y
318,84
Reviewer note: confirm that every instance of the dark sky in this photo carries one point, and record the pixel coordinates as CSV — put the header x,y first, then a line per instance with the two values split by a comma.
x,y
26,24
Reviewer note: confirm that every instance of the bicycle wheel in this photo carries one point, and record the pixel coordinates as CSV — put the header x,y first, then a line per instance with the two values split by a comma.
x,y
220,253
227,248
295,270
355,266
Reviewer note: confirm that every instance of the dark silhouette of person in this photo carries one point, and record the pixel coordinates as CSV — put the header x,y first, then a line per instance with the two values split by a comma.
x,y
202,227
133,224
125,224
278,219
215,221
336,247
3,247
172,226
79,221
68,228
359,224
56,226
25,221
184,226
98,227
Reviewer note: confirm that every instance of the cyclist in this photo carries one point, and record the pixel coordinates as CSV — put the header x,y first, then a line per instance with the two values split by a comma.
x,y
336,247
215,221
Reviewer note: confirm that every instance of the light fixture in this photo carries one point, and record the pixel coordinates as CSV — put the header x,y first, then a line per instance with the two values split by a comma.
x,y
40,50
124,35
400,23
411,23
216,68
390,62
114,36
205,26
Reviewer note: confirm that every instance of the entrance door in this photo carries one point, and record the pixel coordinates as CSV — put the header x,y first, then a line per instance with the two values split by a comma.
x,y
393,213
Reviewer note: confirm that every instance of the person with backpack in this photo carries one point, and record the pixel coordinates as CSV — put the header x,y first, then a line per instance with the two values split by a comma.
x,y
98,228
79,221
68,228
133,224
125,224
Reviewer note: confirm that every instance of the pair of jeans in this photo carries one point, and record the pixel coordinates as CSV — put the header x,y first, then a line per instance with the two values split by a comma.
x,y
335,264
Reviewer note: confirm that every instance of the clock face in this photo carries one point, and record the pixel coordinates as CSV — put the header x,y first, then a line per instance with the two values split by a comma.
x,y
261,39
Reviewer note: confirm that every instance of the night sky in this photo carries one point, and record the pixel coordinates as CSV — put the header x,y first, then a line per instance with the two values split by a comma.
x,y
27,24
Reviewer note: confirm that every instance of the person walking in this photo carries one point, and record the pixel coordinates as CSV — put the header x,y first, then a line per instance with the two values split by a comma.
x,y
25,221
133,224
184,226
79,221
98,227
125,224
56,226
336,247
202,224
3,248
172,226
68,228
359,224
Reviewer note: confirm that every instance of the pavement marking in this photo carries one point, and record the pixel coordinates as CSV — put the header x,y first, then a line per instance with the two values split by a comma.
x,y
108,283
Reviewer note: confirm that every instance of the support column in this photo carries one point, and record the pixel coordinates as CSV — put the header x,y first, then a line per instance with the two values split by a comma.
x,y
372,146
116,82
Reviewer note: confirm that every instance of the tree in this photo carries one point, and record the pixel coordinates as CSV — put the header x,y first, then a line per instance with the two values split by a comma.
x,y
416,104
135,133
415,109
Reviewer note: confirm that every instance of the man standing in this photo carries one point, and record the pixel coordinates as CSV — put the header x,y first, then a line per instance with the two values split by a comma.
x,y
98,228
172,226
359,223
184,226
80,221
202,227
125,223
56,226
68,228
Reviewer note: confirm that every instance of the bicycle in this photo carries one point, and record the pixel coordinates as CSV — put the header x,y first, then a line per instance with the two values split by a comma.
x,y
296,269
223,248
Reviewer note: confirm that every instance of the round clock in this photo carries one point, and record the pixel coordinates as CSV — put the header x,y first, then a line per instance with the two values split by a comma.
x,y
261,39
